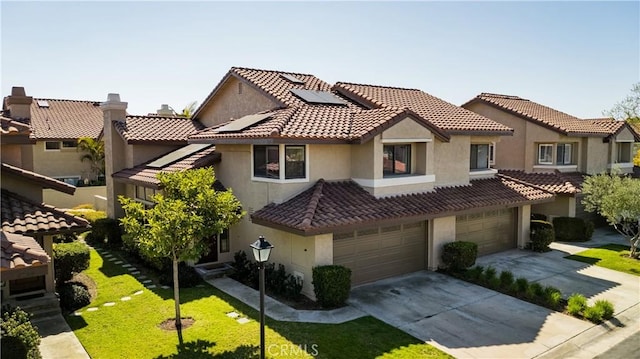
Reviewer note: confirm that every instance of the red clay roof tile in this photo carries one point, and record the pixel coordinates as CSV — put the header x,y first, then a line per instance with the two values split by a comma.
x,y
154,129
332,206
65,119
21,251
555,182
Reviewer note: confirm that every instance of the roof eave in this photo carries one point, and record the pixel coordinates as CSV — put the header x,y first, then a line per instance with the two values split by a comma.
x,y
480,132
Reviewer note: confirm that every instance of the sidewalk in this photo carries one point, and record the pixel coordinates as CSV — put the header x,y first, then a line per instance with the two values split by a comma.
x,y
58,340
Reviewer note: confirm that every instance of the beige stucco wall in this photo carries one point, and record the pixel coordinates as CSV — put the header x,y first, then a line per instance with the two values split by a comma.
x,y
452,161
441,231
83,195
562,206
596,155
18,185
229,103
59,163
11,154
523,225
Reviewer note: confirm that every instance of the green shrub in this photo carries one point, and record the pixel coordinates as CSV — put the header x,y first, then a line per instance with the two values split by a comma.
x,y
535,293
69,258
570,229
89,214
187,276
589,227
576,304
473,274
84,206
331,285
506,280
277,281
607,308
20,339
489,275
65,238
552,297
542,234
459,255
594,314
73,295
521,286
538,217
106,231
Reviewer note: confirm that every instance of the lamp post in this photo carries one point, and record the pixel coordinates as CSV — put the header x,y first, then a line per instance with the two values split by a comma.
x,y
261,250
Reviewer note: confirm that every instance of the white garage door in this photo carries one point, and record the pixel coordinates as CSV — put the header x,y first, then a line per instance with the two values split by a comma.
x,y
381,252
493,231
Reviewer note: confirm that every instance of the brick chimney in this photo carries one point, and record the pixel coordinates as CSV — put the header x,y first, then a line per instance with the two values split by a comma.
x,y
18,103
165,111
114,151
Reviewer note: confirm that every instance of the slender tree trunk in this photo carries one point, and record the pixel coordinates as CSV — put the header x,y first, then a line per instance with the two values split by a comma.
x,y
176,299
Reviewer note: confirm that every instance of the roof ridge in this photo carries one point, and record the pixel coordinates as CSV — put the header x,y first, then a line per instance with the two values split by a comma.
x,y
313,204
381,86
508,97
274,71
61,99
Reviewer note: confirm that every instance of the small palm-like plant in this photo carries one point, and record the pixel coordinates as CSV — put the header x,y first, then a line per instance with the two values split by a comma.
x,y
94,153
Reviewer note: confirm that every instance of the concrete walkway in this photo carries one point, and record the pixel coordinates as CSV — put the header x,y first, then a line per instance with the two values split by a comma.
x,y
58,340
282,312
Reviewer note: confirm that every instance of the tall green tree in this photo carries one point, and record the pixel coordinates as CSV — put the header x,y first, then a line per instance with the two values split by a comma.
x,y
629,110
94,153
617,199
187,212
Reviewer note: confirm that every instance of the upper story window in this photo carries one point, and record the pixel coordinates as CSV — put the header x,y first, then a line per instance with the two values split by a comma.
x,y
481,155
624,152
267,160
69,144
555,154
52,145
145,195
396,160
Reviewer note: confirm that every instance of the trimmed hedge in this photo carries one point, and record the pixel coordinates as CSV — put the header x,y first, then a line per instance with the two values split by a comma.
x,y
69,258
542,234
106,231
277,281
460,255
73,295
331,285
20,339
90,215
570,229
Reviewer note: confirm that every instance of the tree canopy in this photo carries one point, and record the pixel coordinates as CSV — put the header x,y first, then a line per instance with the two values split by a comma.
x,y
617,199
94,153
186,214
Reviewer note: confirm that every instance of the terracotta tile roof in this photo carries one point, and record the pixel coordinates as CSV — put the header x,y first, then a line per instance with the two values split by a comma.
x,y
21,251
65,119
157,129
23,216
144,175
9,127
44,181
555,182
450,118
543,115
332,206
614,126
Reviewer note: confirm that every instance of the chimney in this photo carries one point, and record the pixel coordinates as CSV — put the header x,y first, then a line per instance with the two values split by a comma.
x,y
18,103
165,111
114,151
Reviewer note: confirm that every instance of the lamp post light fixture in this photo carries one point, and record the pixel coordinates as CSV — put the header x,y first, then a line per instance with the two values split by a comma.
x,y
261,251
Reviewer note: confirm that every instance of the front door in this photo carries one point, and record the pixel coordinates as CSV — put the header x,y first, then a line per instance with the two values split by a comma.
x,y
212,256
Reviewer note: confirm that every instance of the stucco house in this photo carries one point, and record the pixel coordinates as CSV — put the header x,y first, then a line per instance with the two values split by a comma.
x,y
555,150
28,224
56,125
374,178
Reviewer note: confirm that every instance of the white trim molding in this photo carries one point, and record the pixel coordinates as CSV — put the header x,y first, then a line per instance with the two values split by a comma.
x,y
406,140
488,173
395,181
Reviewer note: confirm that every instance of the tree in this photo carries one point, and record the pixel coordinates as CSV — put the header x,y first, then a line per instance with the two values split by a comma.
x,y
94,153
187,212
629,108
617,199
188,110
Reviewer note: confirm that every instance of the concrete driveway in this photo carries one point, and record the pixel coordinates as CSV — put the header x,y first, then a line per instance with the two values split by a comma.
x,y
468,321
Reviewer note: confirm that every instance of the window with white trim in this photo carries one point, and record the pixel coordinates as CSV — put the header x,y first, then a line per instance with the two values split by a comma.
x,y
545,154
267,160
564,154
396,160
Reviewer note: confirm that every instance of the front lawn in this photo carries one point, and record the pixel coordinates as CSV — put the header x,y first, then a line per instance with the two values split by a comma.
x,y
130,328
612,256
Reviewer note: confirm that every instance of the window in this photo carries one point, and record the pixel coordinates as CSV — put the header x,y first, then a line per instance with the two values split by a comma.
x,y
396,160
223,239
72,180
145,193
545,154
266,161
52,146
564,154
69,144
479,157
294,165
624,152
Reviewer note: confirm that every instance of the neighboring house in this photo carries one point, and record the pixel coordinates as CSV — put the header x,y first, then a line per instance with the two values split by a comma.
x,y
56,125
554,150
374,178
28,225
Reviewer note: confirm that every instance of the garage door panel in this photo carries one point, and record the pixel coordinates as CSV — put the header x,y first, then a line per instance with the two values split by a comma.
x,y
382,252
493,231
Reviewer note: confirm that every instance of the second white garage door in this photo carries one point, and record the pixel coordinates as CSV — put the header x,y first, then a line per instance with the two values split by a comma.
x,y
493,231
381,252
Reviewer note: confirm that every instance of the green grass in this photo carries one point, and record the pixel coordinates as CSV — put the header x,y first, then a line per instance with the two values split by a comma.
x,y
130,329
612,256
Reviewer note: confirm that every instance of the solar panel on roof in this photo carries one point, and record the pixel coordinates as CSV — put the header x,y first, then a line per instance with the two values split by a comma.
x,y
177,155
320,97
292,79
243,122
42,103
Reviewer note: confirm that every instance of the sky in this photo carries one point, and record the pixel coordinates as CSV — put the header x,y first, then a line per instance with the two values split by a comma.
x,y
577,57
